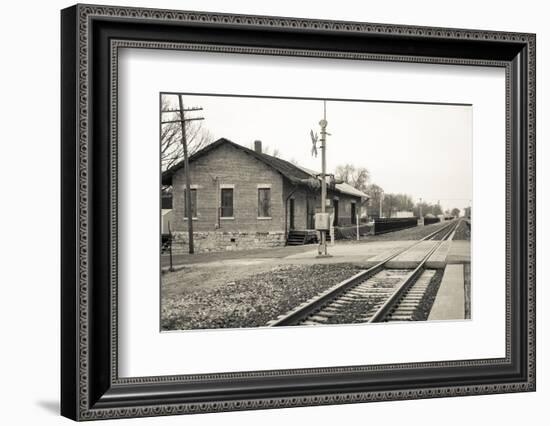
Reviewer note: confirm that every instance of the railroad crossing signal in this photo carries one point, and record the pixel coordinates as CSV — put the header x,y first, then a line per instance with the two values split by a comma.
x,y
314,139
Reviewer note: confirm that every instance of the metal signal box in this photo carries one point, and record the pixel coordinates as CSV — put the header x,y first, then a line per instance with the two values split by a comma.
x,y
322,221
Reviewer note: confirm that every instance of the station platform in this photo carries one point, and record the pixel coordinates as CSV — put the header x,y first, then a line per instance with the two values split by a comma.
x,y
449,301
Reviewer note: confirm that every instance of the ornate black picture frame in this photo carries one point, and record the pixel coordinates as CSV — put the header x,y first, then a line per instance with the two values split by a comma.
x,y
91,36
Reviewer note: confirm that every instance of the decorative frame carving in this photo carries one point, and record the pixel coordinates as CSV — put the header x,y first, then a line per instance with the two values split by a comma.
x,y
91,37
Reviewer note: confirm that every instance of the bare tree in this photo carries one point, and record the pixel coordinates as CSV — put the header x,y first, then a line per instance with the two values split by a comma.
x,y
375,193
427,208
397,202
171,148
358,177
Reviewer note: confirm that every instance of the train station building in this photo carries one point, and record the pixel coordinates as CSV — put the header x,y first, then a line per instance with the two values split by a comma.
x,y
242,198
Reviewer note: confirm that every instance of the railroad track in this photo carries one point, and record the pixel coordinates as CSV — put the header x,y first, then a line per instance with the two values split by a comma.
x,y
377,294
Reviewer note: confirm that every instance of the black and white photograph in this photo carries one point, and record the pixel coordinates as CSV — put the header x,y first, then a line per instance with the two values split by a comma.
x,y
279,211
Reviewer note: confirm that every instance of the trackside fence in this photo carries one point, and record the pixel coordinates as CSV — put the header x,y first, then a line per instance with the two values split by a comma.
x,y
431,220
383,225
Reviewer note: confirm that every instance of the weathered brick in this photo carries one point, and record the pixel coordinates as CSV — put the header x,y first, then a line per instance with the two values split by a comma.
x,y
229,165
218,241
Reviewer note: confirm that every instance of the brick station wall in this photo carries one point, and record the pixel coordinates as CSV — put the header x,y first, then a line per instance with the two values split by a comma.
x,y
344,207
228,165
205,242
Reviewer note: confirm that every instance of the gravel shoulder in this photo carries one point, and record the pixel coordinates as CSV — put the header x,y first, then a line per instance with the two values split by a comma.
x,y
463,231
207,298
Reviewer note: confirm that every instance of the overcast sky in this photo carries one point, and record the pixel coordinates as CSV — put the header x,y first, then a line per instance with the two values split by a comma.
x,y
421,150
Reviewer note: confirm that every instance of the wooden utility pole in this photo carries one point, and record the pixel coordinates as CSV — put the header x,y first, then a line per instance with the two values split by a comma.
x,y
187,178
182,120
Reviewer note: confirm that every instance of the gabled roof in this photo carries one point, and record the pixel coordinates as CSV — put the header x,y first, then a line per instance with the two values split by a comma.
x,y
296,174
285,168
346,188
343,187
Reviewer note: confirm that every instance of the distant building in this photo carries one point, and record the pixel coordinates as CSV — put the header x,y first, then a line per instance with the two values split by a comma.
x,y
403,214
242,198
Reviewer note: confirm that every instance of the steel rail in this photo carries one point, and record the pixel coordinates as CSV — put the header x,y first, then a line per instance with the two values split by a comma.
x,y
311,306
409,280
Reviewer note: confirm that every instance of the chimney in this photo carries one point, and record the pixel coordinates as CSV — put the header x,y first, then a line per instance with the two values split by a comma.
x,y
258,146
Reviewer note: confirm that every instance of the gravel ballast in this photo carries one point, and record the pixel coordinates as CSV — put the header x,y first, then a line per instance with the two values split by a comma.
x,y
424,309
250,301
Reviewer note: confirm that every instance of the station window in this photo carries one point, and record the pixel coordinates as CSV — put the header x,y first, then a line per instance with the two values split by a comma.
x,y
226,202
264,202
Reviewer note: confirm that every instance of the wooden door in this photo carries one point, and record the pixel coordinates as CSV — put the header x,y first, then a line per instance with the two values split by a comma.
x,y
291,213
310,214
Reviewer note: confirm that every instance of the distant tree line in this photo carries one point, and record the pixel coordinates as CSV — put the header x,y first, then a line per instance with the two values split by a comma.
x,y
387,204
427,208
358,177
